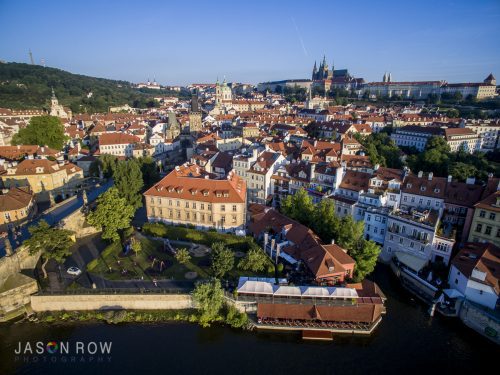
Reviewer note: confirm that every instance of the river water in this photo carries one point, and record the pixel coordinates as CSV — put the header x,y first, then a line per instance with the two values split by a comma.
x,y
407,341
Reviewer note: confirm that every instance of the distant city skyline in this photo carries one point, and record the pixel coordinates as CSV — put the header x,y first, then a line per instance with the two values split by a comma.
x,y
177,44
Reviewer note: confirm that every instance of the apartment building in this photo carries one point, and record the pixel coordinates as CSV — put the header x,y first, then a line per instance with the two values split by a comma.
x,y
206,203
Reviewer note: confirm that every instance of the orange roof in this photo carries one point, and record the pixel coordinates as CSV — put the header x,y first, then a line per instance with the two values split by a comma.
x,y
231,190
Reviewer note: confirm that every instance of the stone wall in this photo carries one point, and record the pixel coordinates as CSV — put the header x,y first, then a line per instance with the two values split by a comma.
x,y
18,295
76,222
41,303
479,320
21,259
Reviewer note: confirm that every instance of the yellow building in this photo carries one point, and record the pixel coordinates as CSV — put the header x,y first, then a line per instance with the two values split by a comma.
x,y
203,202
41,175
485,225
15,207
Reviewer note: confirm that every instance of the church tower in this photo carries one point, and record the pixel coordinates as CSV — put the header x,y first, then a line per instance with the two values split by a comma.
x,y
56,109
195,124
315,72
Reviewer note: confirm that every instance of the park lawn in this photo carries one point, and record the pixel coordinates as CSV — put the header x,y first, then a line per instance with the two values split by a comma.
x,y
136,265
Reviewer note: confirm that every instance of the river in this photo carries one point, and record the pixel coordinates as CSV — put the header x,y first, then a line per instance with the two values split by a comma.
x,y
407,341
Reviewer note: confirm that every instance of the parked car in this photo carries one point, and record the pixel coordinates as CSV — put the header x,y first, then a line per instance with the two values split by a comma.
x,y
75,271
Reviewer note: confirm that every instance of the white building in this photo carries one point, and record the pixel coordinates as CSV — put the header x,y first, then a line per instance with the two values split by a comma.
x,y
475,272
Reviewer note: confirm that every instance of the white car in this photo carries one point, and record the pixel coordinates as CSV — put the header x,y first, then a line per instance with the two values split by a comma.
x,y
75,271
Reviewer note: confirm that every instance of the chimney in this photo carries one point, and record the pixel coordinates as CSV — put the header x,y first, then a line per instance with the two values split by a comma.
x,y
430,176
420,173
470,180
333,241
450,178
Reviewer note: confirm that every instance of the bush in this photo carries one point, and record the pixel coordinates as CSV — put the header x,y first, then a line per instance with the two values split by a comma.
x,y
270,269
92,264
207,238
128,232
235,318
280,267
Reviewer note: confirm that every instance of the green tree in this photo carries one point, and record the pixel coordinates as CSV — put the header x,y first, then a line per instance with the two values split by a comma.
x,y
183,256
108,164
209,298
461,171
42,131
128,180
149,170
365,253
299,206
113,213
94,168
350,232
53,243
222,259
136,246
325,223
255,260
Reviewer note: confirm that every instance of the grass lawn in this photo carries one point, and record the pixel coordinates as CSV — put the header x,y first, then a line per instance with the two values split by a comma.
x,y
140,266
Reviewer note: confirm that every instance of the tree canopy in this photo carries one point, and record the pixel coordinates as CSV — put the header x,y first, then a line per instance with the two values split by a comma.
x,y
54,243
209,297
222,259
128,181
255,260
347,232
113,213
42,131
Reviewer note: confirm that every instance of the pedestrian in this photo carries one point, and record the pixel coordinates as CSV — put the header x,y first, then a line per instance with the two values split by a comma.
x,y
155,282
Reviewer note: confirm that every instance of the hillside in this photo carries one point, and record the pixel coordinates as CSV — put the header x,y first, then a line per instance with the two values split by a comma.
x,y
29,86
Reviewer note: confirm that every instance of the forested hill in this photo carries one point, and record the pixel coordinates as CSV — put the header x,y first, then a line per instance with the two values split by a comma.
x,y
25,86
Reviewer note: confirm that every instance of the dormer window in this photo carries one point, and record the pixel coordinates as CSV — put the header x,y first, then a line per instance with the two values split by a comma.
x,y
436,190
422,188
408,186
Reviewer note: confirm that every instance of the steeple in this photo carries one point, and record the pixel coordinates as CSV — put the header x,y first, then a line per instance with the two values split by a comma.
x,y
315,71
385,77
389,77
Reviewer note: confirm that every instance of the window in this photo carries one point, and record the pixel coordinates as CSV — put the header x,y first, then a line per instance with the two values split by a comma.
x,y
223,207
487,230
193,205
498,232
223,219
482,213
492,216
203,206
159,200
234,208
187,204
369,218
479,227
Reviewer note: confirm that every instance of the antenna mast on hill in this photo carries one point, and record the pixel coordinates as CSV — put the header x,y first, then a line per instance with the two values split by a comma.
x,y
31,58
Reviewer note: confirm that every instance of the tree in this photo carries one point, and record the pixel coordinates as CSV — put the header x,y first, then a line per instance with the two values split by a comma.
x,y
209,298
453,113
365,253
94,168
183,256
299,206
350,232
42,131
128,181
108,164
325,224
149,170
54,243
255,260
462,171
113,213
222,259
136,246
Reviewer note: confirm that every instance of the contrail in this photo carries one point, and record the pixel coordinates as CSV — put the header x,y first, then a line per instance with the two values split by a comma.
x,y
300,37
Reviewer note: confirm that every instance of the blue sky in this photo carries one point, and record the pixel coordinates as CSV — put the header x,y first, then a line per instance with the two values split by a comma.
x,y
181,42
